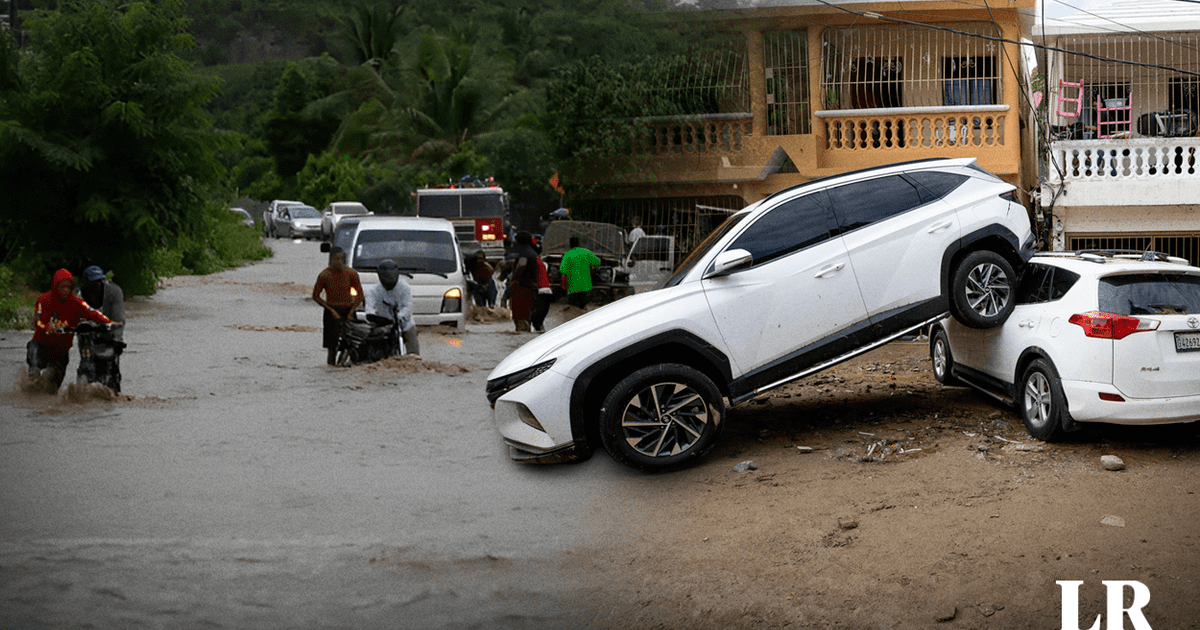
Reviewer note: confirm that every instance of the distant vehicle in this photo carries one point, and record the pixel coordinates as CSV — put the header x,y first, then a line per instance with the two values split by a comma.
x,y
802,280
428,255
272,212
1094,337
338,210
246,219
478,213
610,281
623,269
298,221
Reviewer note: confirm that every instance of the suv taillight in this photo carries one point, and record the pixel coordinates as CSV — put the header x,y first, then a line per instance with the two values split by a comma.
x,y
1103,325
1010,196
489,230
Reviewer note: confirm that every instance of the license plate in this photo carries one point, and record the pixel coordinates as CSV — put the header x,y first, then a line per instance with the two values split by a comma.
x,y
1187,342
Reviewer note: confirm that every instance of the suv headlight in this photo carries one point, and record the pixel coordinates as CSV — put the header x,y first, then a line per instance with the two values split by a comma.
x,y
498,387
605,274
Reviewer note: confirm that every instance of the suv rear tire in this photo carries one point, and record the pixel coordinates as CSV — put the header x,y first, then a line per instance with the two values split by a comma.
x,y
661,417
983,290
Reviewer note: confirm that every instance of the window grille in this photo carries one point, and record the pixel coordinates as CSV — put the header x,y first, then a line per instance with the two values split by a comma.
x,y
869,68
1165,101
714,75
785,57
1183,245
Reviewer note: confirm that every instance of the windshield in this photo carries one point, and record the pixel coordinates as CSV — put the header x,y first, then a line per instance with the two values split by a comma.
x,y
303,212
461,205
354,209
415,251
702,248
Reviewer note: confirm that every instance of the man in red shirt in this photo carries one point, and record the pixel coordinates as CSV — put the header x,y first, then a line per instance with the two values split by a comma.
x,y
56,314
343,294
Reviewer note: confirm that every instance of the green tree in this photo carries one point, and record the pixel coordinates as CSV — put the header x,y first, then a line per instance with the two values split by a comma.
x,y
105,141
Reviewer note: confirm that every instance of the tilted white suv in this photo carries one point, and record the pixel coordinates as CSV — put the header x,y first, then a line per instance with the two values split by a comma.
x,y
1094,337
804,279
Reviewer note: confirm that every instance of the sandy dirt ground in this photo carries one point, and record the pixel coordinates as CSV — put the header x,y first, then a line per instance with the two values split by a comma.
x,y
917,506
240,483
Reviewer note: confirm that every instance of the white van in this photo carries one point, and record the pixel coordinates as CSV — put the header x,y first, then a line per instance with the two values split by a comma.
x,y
426,251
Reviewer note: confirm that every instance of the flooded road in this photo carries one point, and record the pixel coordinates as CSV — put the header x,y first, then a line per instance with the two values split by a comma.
x,y
246,484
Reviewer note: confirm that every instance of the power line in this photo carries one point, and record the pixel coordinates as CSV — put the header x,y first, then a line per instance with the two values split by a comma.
x,y
1064,51
1124,27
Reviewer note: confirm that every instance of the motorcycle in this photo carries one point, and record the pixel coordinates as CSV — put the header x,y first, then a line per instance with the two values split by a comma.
x,y
367,342
99,355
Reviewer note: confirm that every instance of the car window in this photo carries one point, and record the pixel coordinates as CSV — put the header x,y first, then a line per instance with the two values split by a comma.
x,y
789,227
1150,294
418,251
1044,283
863,203
303,212
345,235
935,184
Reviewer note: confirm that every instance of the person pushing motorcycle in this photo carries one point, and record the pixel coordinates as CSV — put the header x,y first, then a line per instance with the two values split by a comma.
x,y
343,293
56,314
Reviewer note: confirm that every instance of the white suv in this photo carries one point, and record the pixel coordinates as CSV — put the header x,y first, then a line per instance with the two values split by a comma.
x,y
804,279
426,251
1094,337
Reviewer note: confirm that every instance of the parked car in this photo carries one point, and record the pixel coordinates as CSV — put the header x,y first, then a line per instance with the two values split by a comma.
x,y
610,280
272,212
797,282
297,221
243,216
336,211
1094,337
426,251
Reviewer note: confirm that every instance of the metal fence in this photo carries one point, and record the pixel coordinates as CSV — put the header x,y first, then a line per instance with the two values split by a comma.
x,y
1183,245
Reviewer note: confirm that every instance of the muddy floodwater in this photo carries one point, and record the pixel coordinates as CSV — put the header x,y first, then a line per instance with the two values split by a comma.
x,y
240,482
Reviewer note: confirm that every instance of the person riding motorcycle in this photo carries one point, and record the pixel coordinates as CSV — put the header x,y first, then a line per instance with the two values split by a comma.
x,y
391,300
56,314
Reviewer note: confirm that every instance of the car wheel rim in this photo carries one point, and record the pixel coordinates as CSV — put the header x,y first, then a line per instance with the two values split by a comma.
x,y
987,289
939,358
665,419
1037,399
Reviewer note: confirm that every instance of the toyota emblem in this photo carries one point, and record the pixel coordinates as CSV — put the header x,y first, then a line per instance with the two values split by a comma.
x,y
1193,322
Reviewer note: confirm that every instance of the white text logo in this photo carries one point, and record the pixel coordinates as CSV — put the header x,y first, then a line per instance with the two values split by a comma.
x,y
1116,605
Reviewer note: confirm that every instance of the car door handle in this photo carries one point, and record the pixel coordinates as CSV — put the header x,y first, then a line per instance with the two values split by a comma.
x,y
830,269
1029,323
938,227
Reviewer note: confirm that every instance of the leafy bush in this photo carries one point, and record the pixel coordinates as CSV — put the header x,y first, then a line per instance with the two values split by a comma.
x,y
16,301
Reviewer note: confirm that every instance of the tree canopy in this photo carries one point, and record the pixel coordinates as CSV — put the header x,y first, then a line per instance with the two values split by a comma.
x,y
104,131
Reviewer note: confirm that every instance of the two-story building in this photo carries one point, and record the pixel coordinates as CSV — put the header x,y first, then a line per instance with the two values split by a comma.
x,y
819,88
1120,169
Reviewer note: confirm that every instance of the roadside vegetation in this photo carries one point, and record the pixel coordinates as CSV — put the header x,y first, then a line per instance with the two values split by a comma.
x,y
127,128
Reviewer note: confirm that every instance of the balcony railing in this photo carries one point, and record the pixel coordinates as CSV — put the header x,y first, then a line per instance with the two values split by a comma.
x,y
946,128
670,135
1116,160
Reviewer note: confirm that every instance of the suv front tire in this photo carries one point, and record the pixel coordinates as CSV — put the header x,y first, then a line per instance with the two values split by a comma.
x,y
983,290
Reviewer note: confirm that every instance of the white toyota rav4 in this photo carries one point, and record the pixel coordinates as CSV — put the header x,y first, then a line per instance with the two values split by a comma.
x,y
1094,337
792,284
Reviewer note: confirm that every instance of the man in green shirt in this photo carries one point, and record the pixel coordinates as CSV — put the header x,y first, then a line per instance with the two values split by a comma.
x,y
576,266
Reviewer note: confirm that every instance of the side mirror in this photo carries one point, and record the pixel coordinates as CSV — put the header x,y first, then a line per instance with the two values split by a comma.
x,y
326,246
730,261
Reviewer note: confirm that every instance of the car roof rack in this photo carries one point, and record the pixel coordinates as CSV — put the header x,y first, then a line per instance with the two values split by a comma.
x,y
1114,255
